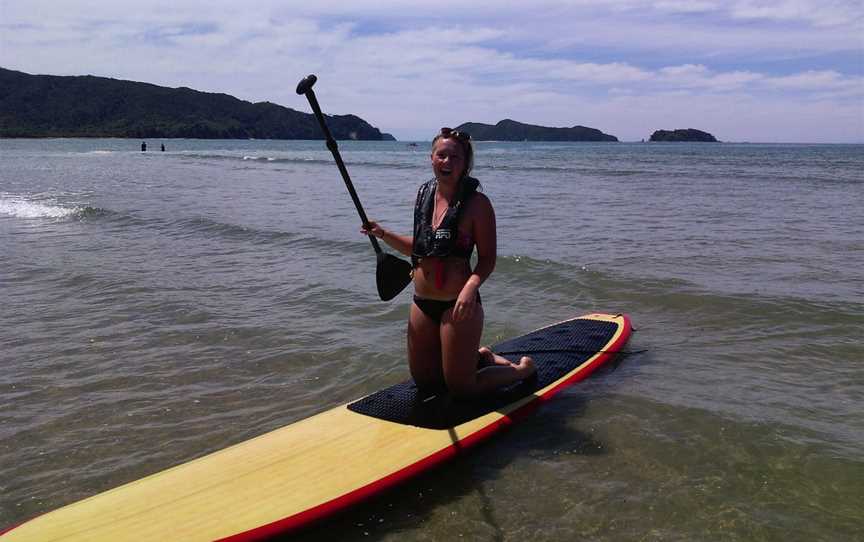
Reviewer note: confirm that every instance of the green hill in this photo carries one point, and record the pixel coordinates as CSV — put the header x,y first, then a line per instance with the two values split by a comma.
x,y
683,135
88,106
510,130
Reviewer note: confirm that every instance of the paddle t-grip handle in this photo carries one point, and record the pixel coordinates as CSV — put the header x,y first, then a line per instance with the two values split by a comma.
x,y
306,84
305,87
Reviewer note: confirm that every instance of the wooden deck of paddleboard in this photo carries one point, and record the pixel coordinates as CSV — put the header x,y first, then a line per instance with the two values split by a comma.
x,y
281,480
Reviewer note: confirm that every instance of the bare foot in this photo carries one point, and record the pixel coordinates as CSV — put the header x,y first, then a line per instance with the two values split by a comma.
x,y
488,358
525,367
497,372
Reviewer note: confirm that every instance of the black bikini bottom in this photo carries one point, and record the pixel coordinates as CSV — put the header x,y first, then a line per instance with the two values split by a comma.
x,y
435,309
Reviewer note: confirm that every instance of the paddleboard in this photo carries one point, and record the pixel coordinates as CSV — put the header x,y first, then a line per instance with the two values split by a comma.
x,y
293,476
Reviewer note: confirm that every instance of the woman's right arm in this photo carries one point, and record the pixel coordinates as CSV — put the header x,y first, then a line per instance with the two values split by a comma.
x,y
401,243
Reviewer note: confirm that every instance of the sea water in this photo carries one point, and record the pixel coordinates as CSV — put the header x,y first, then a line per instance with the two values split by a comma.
x,y
158,306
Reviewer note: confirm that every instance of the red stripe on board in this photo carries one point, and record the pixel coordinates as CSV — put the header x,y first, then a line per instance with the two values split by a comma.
x,y
321,511
304,519
4,531
608,352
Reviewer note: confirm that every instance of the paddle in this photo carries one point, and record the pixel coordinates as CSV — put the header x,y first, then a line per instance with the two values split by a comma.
x,y
392,273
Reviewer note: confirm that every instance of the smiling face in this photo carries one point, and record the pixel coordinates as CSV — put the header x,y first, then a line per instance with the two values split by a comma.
x,y
448,160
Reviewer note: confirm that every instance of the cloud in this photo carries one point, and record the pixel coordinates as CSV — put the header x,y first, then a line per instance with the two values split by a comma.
x,y
823,14
735,117
410,71
814,80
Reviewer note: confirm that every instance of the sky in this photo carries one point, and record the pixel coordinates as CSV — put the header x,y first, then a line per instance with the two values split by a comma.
x,y
743,70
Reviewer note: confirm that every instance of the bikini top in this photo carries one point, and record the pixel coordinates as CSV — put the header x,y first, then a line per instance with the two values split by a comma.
x,y
444,240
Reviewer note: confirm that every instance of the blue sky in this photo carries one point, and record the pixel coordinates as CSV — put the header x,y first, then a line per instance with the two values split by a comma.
x,y
744,70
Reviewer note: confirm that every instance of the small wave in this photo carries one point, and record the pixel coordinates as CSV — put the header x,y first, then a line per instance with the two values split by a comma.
x,y
267,159
305,160
203,225
20,207
636,293
254,158
91,212
575,169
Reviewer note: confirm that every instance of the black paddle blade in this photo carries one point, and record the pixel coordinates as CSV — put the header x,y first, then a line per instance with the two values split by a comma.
x,y
392,275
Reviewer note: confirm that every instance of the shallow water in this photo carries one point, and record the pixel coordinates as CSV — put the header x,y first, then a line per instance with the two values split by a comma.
x,y
160,306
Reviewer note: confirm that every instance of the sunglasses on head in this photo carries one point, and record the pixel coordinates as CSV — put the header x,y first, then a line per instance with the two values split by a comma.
x,y
449,132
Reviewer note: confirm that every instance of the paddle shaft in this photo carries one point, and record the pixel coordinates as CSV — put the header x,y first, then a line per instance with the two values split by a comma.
x,y
334,148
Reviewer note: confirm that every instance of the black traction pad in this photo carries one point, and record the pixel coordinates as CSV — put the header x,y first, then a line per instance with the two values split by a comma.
x,y
556,350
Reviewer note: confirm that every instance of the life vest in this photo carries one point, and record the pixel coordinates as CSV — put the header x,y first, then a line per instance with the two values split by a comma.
x,y
440,242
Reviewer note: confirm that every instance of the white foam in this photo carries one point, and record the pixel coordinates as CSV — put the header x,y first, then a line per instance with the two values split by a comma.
x,y
19,207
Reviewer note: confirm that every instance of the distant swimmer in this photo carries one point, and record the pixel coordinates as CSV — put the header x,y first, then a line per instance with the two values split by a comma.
x,y
163,147
143,146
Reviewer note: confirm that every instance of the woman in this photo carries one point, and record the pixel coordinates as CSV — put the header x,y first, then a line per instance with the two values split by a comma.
x,y
446,320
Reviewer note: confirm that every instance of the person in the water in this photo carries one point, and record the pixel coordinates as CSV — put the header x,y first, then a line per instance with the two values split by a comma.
x,y
446,319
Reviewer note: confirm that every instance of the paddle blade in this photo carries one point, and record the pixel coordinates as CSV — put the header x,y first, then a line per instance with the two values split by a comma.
x,y
392,275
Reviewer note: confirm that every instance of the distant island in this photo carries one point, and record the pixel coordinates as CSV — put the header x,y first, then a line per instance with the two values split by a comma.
x,y
689,134
510,130
88,106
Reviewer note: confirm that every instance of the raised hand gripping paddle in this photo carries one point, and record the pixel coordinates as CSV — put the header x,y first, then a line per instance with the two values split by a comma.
x,y
392,274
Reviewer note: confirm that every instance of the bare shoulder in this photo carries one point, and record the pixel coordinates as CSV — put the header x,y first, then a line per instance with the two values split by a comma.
x,y
480,214
479,205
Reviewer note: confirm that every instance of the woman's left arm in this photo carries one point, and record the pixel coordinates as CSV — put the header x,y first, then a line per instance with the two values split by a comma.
x,y
483,231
